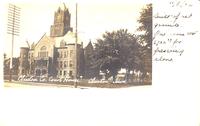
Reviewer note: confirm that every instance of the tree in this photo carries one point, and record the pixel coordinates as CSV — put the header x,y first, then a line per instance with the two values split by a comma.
x,y
106,55
15,64
128,50
6,64
90,72
145,21
146,39
116,50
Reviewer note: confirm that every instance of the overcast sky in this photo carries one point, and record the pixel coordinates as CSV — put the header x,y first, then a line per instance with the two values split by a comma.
x,y
94,18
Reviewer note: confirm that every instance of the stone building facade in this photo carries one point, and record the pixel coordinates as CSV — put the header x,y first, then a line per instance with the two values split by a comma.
x,y
23,62
61,22
54,55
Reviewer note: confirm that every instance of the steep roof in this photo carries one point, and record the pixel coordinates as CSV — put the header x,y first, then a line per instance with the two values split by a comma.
x,y
89,46
68,38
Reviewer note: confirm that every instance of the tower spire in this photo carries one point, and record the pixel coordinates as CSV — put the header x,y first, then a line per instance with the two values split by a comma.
x,y
65,8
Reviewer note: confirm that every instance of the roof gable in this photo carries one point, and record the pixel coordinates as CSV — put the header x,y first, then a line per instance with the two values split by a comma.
x,y
45,40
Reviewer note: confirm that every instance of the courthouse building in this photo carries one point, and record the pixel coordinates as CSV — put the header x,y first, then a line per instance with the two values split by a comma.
x,y
54,55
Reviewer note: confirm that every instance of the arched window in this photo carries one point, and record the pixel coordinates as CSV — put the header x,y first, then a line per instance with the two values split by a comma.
x,y
43,52
43,48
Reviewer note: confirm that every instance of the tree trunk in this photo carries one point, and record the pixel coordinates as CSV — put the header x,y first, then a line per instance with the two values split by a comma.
x,y
127,75
114,77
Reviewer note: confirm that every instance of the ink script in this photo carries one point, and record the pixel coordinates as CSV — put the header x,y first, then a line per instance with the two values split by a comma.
x,y
172,30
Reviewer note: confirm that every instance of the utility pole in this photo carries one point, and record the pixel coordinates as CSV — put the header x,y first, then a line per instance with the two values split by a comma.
x,y
76,56
13,27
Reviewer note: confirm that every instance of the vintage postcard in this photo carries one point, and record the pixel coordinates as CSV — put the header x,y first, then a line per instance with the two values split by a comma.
x,y
100,63
72,44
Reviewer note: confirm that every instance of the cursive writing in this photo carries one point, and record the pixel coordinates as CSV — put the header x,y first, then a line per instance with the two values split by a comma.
x,y
171,31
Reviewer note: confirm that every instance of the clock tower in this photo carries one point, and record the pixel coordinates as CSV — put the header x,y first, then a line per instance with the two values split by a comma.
x,y
61,22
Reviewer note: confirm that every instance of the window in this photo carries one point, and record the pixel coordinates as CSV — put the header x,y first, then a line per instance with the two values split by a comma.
x,y
61,72
44,72
58,54
65,55
43,48
38,72
44,63
23,71
64,73
70,53
43,52
70,63
65,64
60,64
61,55
70,73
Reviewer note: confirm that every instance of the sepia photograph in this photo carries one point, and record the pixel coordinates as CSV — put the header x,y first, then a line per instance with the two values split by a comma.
x,y
102,45
99,63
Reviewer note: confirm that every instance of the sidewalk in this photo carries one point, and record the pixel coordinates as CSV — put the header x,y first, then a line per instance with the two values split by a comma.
x,y
38,84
